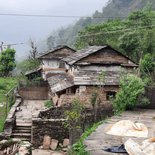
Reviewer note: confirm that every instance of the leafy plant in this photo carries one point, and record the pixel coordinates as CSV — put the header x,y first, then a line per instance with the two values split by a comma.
x,y
79,148
73,115
131,87
49,103
147,68
7,61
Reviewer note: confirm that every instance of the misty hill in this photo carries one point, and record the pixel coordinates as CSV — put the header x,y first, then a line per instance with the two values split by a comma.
x,y
114,8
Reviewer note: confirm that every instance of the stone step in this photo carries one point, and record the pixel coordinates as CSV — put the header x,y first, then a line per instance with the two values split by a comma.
x,y
22,136
23,120
23,127
23,124
22,131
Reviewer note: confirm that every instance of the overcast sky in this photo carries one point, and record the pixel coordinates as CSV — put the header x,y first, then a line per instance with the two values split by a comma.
x,y
15,29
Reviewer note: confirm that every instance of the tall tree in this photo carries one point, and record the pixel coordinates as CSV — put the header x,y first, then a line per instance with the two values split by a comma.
x,y
7,61
33,52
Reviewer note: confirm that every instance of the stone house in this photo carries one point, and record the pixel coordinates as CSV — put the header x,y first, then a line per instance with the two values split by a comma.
x,y
96,67
51,62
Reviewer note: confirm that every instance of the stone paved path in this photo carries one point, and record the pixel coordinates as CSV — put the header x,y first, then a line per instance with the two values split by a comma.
x,y
24,114
27,109
99,140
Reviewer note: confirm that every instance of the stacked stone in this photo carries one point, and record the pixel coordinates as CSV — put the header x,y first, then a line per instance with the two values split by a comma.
x,y
54,144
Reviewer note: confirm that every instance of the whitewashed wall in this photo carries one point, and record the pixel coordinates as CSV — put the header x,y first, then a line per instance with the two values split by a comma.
x,y
51,63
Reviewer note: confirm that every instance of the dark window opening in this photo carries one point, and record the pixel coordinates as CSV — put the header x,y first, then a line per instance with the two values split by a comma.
x,y
110,95
71,90
61,64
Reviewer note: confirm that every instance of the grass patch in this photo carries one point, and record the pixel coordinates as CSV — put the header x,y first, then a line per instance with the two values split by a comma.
x,y
5,85
79,148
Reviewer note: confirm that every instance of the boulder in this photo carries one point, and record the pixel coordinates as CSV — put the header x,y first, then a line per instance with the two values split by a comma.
x,y
65,142
54,144
46,142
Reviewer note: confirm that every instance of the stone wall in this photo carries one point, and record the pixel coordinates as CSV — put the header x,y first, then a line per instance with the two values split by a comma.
x,y
51,127
34,93
150,94
10,120
51,122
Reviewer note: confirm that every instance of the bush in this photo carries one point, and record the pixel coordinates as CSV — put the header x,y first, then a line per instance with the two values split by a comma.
x,y
131,87
49,103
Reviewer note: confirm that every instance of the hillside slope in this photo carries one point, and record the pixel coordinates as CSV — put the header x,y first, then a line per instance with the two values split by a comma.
x,y
114,8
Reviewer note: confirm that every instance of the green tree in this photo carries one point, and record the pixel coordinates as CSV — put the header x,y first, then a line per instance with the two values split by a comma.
x,y
7,61
147,68
133,36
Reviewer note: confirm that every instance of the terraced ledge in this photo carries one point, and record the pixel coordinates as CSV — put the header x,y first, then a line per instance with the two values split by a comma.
x,y
10,120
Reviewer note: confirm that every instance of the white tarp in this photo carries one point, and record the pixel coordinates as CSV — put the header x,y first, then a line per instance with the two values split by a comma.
x,y
128,128
147,147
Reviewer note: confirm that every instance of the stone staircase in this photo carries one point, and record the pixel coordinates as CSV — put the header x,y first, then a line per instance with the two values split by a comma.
x,y
22,130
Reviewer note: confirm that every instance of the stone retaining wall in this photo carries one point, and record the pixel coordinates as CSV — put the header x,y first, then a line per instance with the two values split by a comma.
x,y
50,122
150,94
51,127
11,119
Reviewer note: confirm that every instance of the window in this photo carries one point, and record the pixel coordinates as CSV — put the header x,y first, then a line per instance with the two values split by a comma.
x,y
110,95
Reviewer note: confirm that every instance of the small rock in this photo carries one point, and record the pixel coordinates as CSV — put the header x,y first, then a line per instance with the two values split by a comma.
x,y
46,142
8,150
54,144
65,142
60,145
65,149
40,147
57,153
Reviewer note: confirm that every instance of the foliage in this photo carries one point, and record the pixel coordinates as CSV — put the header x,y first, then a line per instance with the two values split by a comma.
x,y
93,98
74,116
133,36
131,87
48,103
7,61
114,9
5,85
147,68
28,64
79,148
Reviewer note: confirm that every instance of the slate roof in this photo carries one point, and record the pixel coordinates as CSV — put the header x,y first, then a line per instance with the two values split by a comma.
x,y
33,71
73,58
60,82
41,55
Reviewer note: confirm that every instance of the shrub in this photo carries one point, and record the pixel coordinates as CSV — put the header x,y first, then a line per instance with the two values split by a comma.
x,y
131,87
49,103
